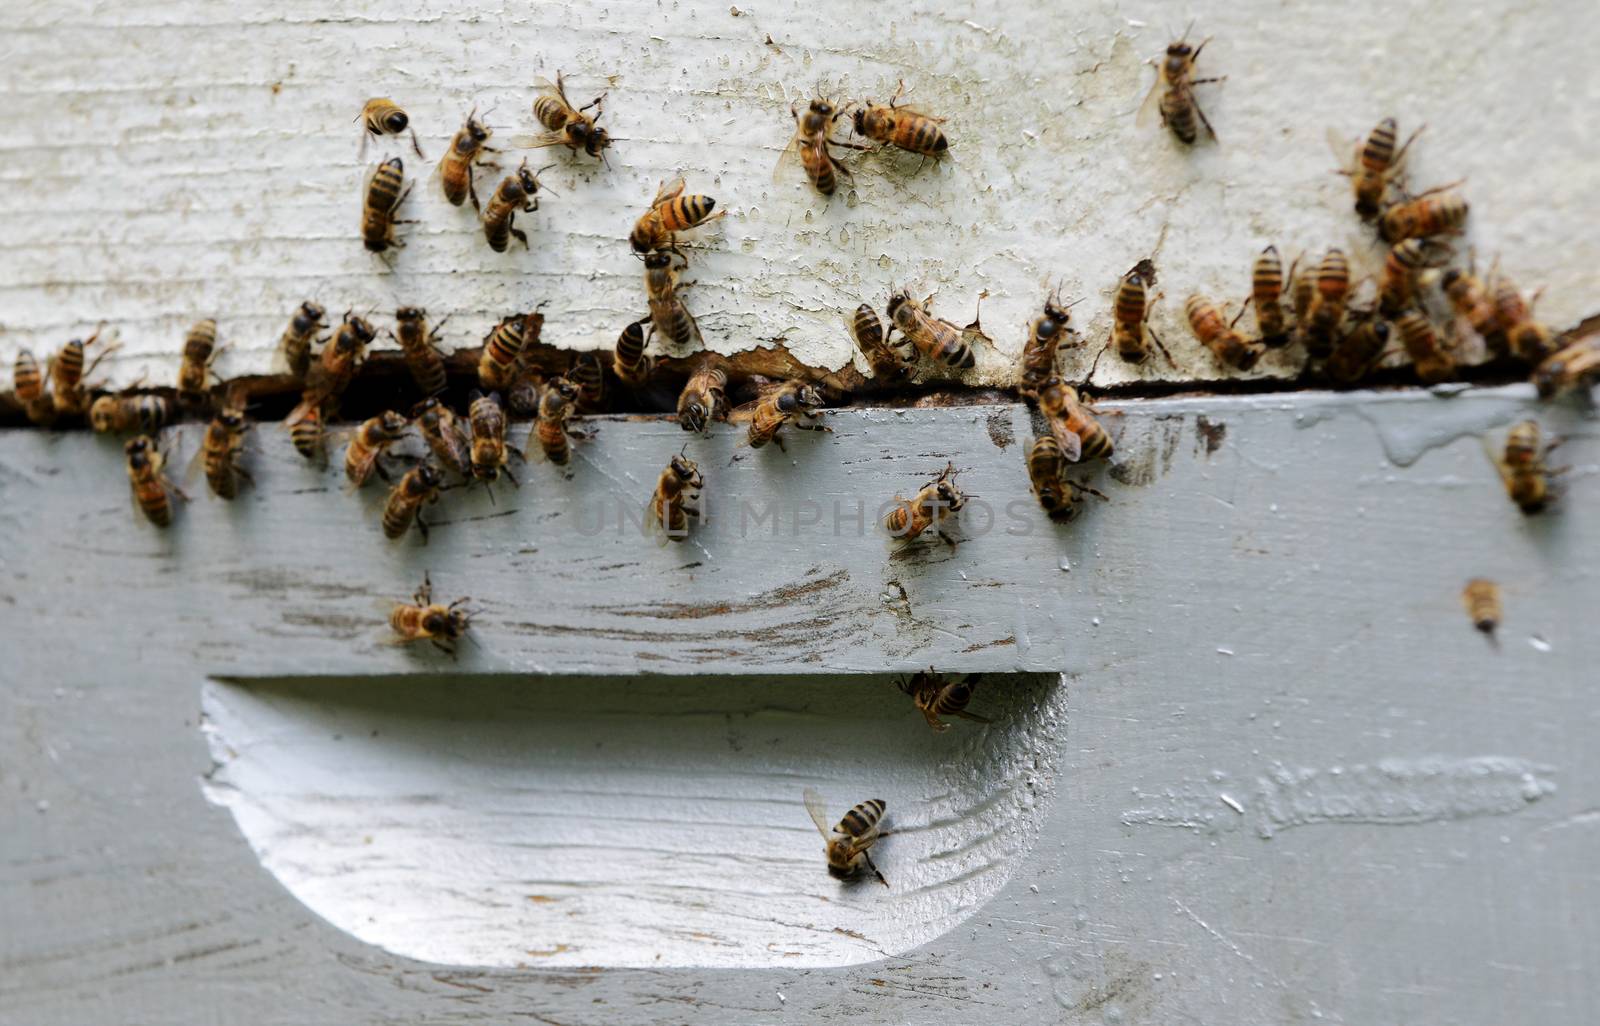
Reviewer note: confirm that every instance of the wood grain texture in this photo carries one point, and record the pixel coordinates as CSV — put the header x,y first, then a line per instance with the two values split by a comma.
x,y
166,162
1264,615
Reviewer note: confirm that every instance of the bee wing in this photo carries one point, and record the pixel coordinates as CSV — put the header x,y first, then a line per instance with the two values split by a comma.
x,y
1071,444
191,469
668,191
533,142
1344,149
544,85
787,160
818,813
1148,107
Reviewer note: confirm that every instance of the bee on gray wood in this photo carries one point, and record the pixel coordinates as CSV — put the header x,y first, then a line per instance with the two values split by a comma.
x,y
422,619
668,316
194,373
789,402
489,452
146,414
67,371
889,362
628,360
1047,470
1074,428
368,443
444,433
937,501
1574,366
1048,334
551,428
220,449
671,212
416,342
382,195
32,390
670,511
420,485
457,165
704,397
1218,335
518,192
1522,467
848,842
907,128
935,697
810,144
308,428
934,337
1372,165
1173,92
295,343
1481,597
152,492
382,116
336,365
566,125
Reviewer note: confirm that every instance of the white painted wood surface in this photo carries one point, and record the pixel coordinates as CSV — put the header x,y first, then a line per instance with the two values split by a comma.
x,y
1294,785
167,161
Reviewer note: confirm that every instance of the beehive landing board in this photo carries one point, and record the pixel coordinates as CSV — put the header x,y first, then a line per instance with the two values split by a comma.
x,y
168,161
1293,781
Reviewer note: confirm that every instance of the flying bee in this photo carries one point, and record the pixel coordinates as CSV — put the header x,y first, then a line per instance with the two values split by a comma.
x,y
811,143
668,315
295,343
367,445
1047,336
1131,333
1358,350
588,372
382,116
1175,86
935,697
456,166
425,620
550,428
404,506
152,492
628,361
1218,335
417,343
937,501
1522,467
1372,164
1266,292
671,212
789,402
385,190
502,353
889,362
1577,365
337,363
1079,434
1399,281
220,449
567,125
1429,356
307,427
489,451
441,428
849,841
704,398
32,391
933,337
1435,212
1481,596
1470,298
669,512
1326,314
194,373
146,414
905,127
67,371
517,192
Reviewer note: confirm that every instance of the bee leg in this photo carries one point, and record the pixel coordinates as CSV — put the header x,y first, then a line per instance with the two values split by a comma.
x,y
1157,340
934,721
1203,119
522,237
974,717
417,146
868,859
507,471
777,439
472,190
422,525
948,540
378,466
441,646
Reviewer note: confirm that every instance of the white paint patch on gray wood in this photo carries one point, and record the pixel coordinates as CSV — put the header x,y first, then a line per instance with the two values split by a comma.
x,y
583,822
167,161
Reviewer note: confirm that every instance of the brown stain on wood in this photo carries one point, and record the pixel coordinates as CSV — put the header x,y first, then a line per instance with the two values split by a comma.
x,y
1209,434
998,424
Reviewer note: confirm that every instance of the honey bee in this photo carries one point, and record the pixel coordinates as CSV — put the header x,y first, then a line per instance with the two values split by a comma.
x,y
419,485
1577,365
668,316
1525,338
669,513
457,164
295,344
146,414
517,192
550,428
337,363
935,697
1266,291
1079,434
444,433
194,373
522,398
790,402
1470,298
1218,335
416,342
220,449
307,428
1047,467
425,620
1400,267
1326,313
1175,87
382,116
628,361
906,127
704,398
367,445
152,492
1481,596
811,144
567,125
589,374
937,501
1047,336
1429,356
502,353
933,337
1303,286
888,362
32,391
671,212
70,394
489,450
849,842
385,190
1357,351
1522,467
1372,164
1435,212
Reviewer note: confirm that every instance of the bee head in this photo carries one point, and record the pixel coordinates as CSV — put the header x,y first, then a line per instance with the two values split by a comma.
x,y
100,413
809,397
598,140
1180,49
392,422
428,475
138,449
897,300
478,130
409,313
312,311
693,419
658,260
395,121
361,329
859,116
233,420
822,108
684,467
1450,277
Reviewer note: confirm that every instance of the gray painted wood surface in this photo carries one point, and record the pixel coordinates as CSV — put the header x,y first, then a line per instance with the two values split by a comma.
x,y
1294,785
